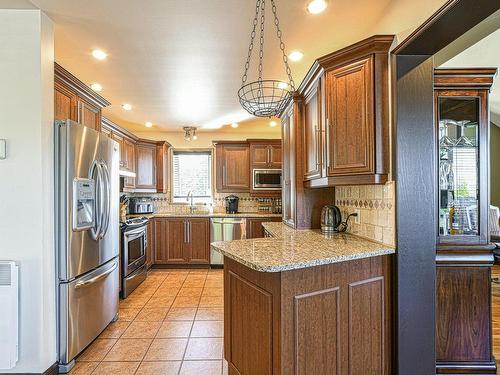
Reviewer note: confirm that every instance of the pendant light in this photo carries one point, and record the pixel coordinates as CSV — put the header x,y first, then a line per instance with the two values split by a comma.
x,y
265,97
190,133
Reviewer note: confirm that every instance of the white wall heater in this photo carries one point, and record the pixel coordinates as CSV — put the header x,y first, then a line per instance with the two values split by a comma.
x,y
9,311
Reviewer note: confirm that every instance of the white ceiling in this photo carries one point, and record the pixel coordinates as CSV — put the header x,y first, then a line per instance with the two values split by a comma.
x,y
180,62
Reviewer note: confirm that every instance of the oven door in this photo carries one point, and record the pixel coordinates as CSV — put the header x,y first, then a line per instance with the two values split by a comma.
x,y
134,249
266,179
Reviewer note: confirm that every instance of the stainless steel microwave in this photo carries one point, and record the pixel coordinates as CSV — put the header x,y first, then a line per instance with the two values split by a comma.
x,y
266,179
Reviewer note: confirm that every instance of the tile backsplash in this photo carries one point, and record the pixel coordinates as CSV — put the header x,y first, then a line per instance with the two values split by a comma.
x,y
375,205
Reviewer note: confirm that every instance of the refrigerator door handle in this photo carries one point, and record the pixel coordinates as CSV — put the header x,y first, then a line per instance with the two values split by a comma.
x,y
96,174
95,279
107,196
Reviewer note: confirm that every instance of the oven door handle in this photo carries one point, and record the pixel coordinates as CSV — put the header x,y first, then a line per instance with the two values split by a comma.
x,y
95,279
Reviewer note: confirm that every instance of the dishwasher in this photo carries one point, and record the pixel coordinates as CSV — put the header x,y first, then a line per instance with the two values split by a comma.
x,y
225,229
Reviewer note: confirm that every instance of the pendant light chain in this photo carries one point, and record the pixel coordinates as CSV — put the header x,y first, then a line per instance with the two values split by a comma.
x,y
282,46
250,48
262,25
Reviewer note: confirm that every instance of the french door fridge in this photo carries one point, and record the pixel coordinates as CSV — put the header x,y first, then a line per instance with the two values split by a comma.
x,y
87,235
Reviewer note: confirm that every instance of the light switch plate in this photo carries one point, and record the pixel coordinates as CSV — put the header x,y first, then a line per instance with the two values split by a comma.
x,y
3,149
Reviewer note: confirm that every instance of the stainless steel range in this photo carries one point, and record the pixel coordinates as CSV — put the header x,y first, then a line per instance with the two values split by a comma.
x,y
133,254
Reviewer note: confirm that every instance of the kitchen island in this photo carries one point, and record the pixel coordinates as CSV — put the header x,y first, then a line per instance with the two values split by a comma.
x,y
300,302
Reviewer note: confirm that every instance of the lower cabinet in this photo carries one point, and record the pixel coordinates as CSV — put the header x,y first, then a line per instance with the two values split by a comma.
x,y
181,241
255,228
150,244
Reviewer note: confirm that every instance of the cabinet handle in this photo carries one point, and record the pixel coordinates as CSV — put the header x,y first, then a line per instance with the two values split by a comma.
x,y
185,231
327,148
268,155
224,178
318,145
189,231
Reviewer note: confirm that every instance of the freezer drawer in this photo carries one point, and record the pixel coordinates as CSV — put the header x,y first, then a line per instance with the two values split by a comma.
x,y
87,305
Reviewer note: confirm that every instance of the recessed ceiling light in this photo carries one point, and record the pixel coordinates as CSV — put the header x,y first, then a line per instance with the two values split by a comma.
x,y
234,125
296,55
283,85
316,6
148,124
273,124
99,54
195,137
96,87
127,107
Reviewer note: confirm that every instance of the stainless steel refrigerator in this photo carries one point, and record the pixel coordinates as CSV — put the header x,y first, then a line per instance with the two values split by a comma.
x,y
87,235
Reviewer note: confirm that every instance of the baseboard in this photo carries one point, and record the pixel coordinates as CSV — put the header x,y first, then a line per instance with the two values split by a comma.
x,y
467,368
52,370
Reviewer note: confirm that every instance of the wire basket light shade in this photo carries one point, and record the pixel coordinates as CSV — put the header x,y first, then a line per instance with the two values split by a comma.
x,y
266,98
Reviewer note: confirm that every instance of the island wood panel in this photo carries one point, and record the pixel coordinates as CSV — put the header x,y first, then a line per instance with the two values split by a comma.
x,y
463,327
350,113
331,319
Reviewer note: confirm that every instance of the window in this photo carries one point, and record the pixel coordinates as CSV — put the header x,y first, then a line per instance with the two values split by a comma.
x,y
192,172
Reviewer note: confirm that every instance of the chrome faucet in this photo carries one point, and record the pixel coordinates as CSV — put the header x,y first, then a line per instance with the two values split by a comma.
x,y
192,208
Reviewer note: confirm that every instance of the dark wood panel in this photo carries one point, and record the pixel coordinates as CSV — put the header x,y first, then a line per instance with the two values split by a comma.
x,y
463,324
313,330
129,159
162,164
255,228
64,103
233,167
150,249
88,114
366,326
259,154
275,155
145,166
198,241
312,137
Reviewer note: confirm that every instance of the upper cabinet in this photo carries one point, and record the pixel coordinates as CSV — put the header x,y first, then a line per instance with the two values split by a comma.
x,y
145,156
232,166
345,105
265,154
75,101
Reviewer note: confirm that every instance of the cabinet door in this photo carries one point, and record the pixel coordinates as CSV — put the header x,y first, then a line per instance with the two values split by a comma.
x,y
150,246
275,156
118,138
145,166
233,167
129,162
288,194
255,228
198,246
350,119
260,155
88,114
312,135
170,239
64,104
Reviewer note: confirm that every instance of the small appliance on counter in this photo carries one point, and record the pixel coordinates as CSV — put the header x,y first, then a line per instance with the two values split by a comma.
x,y
140,205
133,254
331,219
232,204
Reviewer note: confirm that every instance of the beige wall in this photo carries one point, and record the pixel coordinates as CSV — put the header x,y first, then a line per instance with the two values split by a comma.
x,y
495,165
27,176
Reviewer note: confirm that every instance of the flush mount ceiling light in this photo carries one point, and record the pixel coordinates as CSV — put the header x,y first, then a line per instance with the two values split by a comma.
x,y
265,97
148,124
234,125
127,107
190,133
99,54
96,87
295,56
316,6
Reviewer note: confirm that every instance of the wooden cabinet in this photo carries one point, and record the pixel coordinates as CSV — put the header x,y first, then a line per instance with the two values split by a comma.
x,y
150,245
464,254
288,185
75,101
182,240
255,228
265,154
346,116
162,170
145,156
232,166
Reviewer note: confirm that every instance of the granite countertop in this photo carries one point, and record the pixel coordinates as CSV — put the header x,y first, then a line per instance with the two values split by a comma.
x,y
290,249
187,214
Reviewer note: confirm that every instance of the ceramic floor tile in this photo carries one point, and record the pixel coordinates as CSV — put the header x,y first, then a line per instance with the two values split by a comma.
x,y
141,330
210,313
198,272
116,368
190,292
133,302
214,284
159,368
201,367
186,301
83,368
204,349
213,292
97,350
207,329
127,314
128,350
166,292
174,328
165,302
156,314
183,313
209,301
114,330
166,350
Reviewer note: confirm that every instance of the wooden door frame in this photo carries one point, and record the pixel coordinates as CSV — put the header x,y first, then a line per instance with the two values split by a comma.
x,y
416,175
